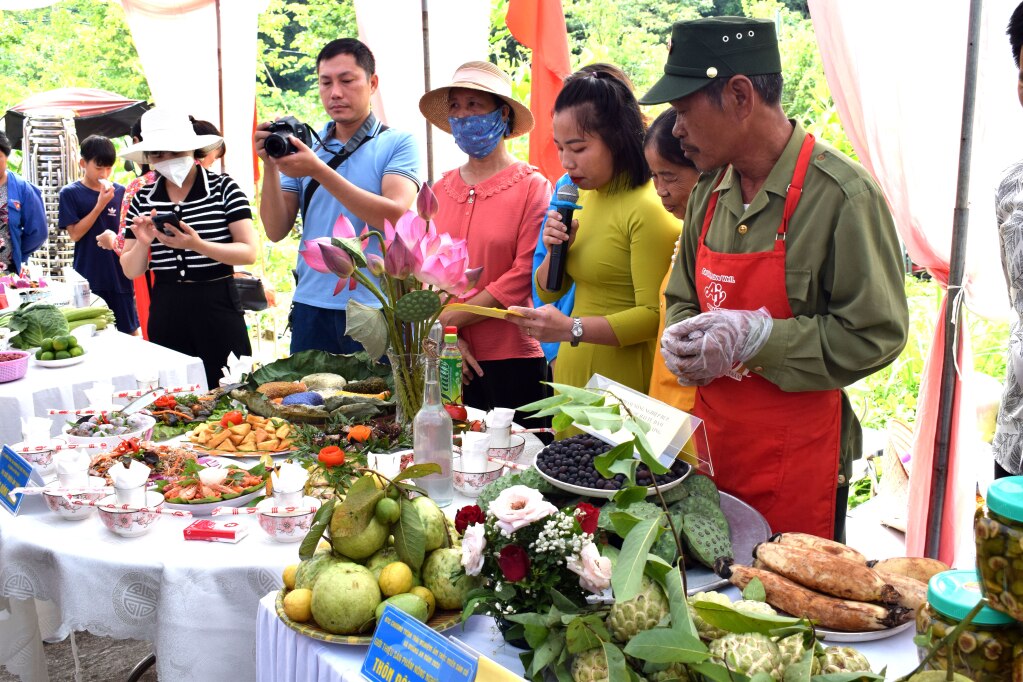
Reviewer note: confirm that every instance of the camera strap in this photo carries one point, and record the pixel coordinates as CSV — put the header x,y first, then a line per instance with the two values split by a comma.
x,y
333,164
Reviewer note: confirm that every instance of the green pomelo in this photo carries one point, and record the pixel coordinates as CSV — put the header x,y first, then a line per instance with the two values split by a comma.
x,y
412,604
345,598
444,575
361,545
434,522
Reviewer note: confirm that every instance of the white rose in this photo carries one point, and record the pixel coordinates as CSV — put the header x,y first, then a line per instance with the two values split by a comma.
x,y
473,543
594,571
519,506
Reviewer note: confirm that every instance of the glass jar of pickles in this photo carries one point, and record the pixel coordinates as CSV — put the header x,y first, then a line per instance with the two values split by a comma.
x,y
984,649
999,537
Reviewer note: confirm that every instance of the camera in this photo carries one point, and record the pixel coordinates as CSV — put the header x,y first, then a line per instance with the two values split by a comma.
x,y
277,143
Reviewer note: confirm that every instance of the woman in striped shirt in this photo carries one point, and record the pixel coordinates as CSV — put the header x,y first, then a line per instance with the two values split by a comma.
x,y
194,307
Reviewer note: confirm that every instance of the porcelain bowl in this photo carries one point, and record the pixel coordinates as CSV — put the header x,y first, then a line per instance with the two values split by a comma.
x,y
513,452
471,483
287,526
62,507
129,524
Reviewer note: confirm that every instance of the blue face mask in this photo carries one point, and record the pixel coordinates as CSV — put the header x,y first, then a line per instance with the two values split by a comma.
x,y
478,136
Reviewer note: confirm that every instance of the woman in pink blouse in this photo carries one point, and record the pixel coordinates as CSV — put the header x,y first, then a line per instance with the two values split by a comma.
x,y
496,203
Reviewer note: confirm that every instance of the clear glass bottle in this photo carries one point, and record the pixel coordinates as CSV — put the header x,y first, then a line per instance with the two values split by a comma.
x,y
431,437
450,369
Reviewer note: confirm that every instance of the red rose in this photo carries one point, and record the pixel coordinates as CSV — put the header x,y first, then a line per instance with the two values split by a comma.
x,y
514,563
468,515
588,516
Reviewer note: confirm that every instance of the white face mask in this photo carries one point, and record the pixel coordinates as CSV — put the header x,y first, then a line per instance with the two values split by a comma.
x,y
175,170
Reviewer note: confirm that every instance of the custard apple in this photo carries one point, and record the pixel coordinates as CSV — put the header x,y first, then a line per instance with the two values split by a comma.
x,y
642,612
838,659
792,649
676,672
703,628
590,666
747,653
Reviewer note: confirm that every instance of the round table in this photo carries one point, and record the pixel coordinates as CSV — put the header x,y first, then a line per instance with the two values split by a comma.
x,y
196,601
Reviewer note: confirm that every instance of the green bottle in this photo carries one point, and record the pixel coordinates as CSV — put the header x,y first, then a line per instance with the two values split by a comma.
x,y
451,369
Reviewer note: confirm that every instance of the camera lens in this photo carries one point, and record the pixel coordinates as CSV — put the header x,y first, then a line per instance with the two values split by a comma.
x,y
276,145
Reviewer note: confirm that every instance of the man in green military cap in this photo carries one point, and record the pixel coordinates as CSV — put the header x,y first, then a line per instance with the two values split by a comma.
x,y
788,284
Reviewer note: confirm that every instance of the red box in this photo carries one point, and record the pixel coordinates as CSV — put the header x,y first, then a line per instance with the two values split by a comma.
x,y
216,531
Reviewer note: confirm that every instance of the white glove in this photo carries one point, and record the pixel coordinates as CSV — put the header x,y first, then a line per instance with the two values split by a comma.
x,y
711,344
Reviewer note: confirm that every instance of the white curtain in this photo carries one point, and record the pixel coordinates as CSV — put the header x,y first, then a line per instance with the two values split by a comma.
x,y
393,30
177,44
897,72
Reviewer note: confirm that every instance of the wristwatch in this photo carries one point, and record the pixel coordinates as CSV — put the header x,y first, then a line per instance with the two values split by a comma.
x,y
577,330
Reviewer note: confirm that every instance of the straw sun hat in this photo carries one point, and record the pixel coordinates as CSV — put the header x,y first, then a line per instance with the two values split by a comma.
x,y
165,130
482,76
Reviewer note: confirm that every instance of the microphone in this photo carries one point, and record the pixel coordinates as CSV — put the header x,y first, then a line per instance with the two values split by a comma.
x,y
565,202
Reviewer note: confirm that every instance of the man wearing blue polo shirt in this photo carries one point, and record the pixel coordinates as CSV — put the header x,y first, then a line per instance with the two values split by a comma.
x,y
377,179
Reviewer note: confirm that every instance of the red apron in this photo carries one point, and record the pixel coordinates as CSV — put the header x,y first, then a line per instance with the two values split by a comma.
x,y
775,450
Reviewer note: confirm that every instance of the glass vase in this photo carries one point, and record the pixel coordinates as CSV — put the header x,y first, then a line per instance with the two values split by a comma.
x,y
407,369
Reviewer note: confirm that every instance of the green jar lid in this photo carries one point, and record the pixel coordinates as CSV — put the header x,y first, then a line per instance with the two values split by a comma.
x,y
1005,497
953,593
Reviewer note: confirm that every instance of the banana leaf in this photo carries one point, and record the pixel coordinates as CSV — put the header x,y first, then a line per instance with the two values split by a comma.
x,y
353,367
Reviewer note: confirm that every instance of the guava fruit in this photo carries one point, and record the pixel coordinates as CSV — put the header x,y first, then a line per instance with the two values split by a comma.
x,y
382,557
345,598
412,604
311,569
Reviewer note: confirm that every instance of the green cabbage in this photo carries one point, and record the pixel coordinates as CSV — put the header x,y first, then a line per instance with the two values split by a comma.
x,y
35,322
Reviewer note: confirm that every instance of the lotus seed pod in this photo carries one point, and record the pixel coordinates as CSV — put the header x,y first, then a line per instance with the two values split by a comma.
x,y
417,306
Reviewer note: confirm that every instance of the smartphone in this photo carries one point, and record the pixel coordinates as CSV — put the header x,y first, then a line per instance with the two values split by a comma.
x,y
165,221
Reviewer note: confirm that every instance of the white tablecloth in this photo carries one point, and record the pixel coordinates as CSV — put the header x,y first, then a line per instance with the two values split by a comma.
x,y
111,356
286,656
196,601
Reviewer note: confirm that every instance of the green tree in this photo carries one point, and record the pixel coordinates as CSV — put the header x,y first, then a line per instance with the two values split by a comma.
x,y
76,43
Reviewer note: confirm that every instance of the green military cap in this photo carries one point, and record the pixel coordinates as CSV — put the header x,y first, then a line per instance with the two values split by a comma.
x,y
717,47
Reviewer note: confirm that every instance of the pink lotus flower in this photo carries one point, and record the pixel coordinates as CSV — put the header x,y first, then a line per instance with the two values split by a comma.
x,y
426,203
443,262
333,259
375,264
399,261
342,229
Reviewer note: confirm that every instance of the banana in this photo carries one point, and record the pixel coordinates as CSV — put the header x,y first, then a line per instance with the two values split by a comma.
x,y
913,592
820,544
829,612
826,573
920,568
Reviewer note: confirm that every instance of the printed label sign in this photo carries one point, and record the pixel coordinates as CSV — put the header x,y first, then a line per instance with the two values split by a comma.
x,y
15,472
406,650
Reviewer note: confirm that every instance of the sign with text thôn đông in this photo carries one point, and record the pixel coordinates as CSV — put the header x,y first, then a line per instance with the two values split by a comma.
x,y
407,650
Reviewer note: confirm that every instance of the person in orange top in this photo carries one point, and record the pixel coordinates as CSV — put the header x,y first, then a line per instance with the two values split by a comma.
x,y
674,178
495,203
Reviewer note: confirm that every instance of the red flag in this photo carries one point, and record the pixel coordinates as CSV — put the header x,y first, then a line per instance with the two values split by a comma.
x,y
540,26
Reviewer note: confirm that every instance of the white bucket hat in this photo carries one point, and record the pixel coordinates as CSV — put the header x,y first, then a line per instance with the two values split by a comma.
x,y
166,130
482,76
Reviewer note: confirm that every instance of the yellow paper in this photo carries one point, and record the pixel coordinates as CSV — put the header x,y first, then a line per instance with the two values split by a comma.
x,y
499,313
488,671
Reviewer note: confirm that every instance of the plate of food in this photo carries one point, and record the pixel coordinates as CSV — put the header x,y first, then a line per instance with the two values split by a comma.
x,y
164,460
440,621
238,435
568,464
201,489
862,635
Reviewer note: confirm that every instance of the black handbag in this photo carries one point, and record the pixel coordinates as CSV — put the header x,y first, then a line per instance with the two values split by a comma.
x,y
251,295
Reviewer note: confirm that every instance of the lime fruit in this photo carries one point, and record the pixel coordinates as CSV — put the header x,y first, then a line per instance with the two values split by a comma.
x,y
387,511
48,355
61,355
39,354
395,579
47,344
59,343
72,342
76,351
